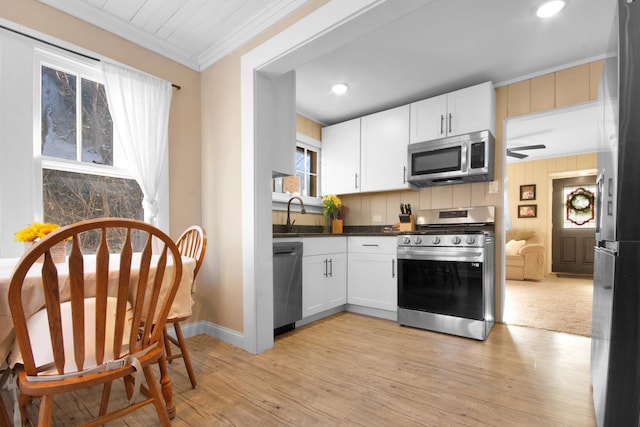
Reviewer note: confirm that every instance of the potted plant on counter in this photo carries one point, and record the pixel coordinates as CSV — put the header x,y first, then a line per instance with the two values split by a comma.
x,y
332,212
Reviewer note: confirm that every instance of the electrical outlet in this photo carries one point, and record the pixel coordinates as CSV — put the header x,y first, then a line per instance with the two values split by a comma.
x,y
376,218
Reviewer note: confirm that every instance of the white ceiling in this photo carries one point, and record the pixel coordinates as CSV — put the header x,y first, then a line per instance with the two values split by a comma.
x,y
195,33
563,131
436,47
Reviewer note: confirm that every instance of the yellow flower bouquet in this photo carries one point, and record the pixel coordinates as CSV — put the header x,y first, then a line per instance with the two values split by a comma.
x,y
35,231
332,206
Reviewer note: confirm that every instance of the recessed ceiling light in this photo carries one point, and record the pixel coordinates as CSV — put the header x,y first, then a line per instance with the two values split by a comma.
x,y
339,88
550,8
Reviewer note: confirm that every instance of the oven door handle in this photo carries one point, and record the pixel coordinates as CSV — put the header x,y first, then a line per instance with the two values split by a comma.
x,y
464,255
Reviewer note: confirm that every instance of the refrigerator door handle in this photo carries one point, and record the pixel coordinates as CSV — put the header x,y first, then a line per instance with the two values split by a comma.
x,y
599,203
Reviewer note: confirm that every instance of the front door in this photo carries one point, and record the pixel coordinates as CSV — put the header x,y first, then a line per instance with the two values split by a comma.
x,y
573,233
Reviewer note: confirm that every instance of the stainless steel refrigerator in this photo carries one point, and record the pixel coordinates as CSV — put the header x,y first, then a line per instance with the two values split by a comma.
x,y
615,344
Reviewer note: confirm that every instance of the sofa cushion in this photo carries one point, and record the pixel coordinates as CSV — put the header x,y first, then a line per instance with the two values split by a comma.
x,y
513,246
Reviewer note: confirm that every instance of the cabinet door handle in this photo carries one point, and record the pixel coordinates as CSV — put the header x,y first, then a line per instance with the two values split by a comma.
x,y
404,175
325,268
393,268
356,180
330,267
441,124
375,245
450,120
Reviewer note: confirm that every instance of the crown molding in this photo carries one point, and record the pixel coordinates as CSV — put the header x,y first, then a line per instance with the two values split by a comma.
x,y
97,17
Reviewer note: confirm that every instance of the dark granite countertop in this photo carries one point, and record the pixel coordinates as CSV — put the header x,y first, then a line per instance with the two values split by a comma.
x,y
279,231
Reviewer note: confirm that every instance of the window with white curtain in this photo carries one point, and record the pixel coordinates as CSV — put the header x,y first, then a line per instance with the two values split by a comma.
x,y
83,174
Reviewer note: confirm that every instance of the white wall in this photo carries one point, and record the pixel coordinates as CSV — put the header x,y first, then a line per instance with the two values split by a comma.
x,y
17,168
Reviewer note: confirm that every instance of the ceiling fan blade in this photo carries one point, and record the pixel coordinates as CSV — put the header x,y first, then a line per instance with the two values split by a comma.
x,y
516,155
528,147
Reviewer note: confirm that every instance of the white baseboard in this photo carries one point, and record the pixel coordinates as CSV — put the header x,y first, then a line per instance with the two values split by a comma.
x,y
210,329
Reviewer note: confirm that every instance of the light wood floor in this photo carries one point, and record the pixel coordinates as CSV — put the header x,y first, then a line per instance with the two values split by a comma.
x,y
350,369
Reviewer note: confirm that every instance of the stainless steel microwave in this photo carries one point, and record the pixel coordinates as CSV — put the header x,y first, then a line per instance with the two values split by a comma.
x,y
452,160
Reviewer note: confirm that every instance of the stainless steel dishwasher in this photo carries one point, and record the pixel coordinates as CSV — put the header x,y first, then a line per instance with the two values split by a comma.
x,y
287,285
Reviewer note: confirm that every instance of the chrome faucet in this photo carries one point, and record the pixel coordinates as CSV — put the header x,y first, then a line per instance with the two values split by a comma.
x,y
302,211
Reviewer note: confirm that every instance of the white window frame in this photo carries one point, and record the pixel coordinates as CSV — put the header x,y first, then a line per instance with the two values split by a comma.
x,y
313,204
88,69
82,70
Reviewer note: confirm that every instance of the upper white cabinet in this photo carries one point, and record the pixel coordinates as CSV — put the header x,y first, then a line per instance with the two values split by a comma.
x,y
463,111
366,154
383,143
341,158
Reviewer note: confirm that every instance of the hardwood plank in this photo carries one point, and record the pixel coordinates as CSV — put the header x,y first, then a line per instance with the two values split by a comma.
x,y
350,369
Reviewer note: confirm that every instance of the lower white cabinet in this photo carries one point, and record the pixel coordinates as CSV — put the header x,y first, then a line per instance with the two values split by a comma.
x,y
372,272
324,274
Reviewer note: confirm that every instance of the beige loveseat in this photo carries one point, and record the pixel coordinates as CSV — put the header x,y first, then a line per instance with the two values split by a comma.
x,y
524,255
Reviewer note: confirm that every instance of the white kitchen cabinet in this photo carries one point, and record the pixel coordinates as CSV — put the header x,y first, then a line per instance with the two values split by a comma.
x,y
372,272
466,110
341,158
383,145
324,274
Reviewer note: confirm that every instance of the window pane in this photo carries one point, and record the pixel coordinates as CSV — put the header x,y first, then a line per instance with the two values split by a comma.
x,y
578,205
303,183
277,185
300,159
313,157
70,197
97,128
58,114
313,186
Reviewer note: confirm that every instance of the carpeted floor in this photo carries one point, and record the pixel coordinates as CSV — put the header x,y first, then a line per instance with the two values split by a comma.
x,y
556,304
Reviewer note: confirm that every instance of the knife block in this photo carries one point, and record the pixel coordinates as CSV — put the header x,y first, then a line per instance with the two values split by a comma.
x,y
407,223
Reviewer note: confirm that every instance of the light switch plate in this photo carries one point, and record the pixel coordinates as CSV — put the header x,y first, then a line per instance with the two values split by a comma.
x,y
376,218
493,187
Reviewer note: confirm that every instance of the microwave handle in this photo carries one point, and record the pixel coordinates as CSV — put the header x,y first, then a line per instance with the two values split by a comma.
x,y
464,158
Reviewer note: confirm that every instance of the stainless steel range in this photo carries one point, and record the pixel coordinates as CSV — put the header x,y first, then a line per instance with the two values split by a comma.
x,y
446,280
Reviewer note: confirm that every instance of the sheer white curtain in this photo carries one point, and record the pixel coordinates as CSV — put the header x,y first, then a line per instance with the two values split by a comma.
x,y
139,104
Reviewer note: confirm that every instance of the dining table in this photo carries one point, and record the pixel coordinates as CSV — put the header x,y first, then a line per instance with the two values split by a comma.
x,y
33,297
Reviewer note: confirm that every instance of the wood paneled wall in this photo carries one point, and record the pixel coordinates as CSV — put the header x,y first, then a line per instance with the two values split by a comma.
x,y
308,127
559,89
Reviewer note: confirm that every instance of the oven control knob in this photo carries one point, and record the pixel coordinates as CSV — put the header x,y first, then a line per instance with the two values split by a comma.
x,y
471,240
417,240
436,240
456,240
406,240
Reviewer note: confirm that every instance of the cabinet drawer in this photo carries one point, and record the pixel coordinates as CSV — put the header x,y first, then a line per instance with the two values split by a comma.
x,y
323,245
373,244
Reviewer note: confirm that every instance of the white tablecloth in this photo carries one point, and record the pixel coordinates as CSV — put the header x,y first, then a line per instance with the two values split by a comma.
x,y
32,290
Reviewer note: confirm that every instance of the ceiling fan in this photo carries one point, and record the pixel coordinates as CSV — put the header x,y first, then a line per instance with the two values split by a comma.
x,y
513,152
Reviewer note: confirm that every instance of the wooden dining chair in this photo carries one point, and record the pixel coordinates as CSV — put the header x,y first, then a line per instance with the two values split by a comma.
x,y
94,328
193,244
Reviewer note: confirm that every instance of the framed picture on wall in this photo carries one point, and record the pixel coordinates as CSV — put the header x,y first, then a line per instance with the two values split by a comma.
x,y
528,192
527,211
